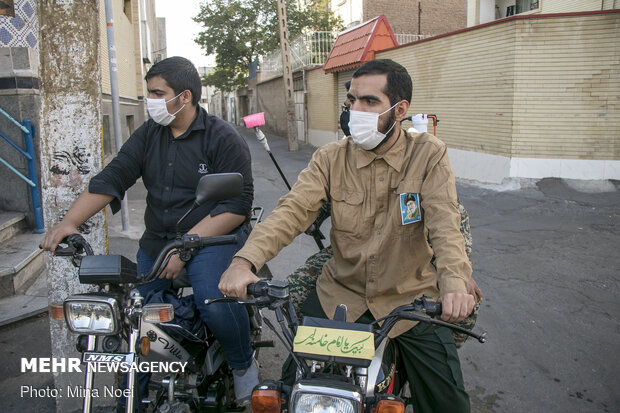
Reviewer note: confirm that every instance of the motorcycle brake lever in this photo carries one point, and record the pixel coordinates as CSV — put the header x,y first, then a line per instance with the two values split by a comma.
x,y
221,300
230,300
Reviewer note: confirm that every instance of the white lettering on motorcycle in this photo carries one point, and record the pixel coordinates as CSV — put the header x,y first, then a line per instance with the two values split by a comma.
x,y
103,358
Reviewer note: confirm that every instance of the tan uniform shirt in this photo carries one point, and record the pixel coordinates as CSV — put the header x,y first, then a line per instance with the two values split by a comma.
x,y
378,262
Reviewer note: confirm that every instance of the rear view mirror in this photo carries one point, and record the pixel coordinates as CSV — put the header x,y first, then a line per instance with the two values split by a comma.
x,y
217,187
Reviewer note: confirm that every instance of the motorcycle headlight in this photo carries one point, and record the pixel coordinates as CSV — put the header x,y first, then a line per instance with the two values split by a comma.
x,y
322,403
89,314
310,397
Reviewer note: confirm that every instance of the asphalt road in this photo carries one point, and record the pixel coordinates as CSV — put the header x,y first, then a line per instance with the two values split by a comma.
x,y
546,255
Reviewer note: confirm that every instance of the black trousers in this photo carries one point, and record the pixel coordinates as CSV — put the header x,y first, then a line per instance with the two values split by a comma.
x,y
429,356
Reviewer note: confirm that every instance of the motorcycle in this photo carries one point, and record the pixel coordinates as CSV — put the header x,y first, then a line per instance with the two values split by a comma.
x,y
117,328
341,366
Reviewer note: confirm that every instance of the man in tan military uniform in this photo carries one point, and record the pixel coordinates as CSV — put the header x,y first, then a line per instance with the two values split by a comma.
x,y
302,281
381,260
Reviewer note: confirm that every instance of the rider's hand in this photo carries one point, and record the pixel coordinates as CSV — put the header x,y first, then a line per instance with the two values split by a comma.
x,y
236,278
174,267
473,289
456,307
56,234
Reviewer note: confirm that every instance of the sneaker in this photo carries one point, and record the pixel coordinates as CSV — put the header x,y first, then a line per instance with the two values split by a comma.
x,y
245,381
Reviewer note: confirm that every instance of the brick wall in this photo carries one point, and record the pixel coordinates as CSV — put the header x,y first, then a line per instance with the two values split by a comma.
x,y
270,99
437,17
322,108
527,88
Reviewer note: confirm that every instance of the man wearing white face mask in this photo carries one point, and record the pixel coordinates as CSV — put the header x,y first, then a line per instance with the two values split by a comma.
x,y
171,152
380,259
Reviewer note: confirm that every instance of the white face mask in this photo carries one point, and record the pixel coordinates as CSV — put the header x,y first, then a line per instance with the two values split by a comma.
x,y
159,111
364,128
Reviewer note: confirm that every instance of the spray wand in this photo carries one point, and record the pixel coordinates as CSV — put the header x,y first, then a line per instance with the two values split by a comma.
x,y
258,119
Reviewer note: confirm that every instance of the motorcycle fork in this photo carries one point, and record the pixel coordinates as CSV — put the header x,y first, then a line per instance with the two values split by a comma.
x,y
131,376
131,379
88,380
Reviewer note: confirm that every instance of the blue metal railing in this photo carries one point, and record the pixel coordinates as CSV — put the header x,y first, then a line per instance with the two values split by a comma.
x,y
28,131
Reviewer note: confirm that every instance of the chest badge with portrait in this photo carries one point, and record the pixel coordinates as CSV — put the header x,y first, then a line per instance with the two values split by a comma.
x,y
409,208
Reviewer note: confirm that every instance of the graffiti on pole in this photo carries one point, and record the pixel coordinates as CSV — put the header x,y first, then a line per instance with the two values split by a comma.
x,y
63,162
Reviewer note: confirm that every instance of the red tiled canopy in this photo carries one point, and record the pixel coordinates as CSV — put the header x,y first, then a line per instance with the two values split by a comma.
x,y
357,45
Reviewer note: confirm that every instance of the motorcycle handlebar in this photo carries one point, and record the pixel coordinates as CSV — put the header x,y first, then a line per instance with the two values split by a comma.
x,y
257,290
76,244
273,290
267,292
218,240
190,243
433,309
65,251
278,290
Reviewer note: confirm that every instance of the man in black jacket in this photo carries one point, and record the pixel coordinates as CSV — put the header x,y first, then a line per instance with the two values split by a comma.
x,y
171,152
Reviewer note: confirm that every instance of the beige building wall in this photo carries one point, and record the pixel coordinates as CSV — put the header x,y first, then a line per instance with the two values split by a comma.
x,y
567,88
131,68
570,6
137,46
343,77
436,17
125,51
531,96
270,99
467,81
524,97
322,107
484,11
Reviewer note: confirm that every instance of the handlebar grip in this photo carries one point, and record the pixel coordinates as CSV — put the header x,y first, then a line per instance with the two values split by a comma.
x,y
257,289
64,252
76,244
218,240
74,239
434,310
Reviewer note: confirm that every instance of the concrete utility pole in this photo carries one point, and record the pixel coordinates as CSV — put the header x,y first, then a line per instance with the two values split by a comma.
x,y
287,77
71,153
116,117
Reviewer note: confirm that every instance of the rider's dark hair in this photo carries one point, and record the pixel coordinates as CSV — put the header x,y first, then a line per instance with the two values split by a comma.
x,y
398,86
180,74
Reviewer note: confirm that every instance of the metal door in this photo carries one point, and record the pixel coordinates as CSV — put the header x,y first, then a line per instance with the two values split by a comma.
x,y
300,116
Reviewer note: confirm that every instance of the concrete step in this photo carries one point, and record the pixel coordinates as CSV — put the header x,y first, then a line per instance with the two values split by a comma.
x,y
21,306
20,263
11,224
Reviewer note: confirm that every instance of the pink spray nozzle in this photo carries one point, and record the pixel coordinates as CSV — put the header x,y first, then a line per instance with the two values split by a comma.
x,y
254,120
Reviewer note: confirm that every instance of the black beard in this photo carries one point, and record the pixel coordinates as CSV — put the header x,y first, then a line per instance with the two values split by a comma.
x,y
385,127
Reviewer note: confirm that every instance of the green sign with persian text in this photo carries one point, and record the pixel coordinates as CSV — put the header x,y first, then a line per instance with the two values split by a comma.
x,y
334,342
